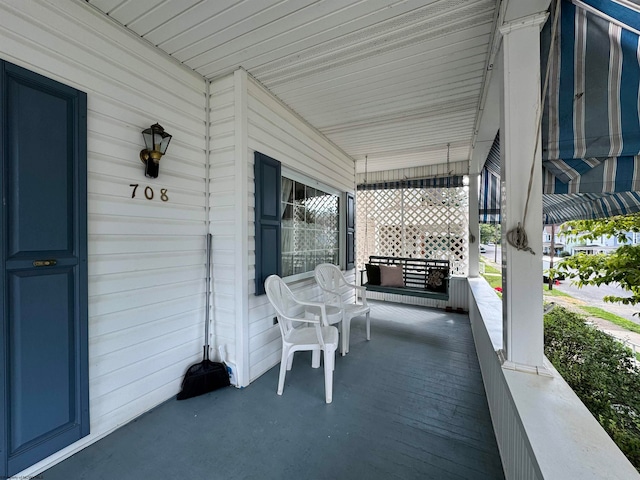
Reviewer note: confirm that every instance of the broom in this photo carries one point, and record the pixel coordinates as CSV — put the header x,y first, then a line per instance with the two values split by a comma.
x,y
206,375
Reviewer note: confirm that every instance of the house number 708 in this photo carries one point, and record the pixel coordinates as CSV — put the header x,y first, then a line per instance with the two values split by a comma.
x,y
148,192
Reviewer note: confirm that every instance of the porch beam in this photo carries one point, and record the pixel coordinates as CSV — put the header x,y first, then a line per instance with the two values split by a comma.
x,y
522,269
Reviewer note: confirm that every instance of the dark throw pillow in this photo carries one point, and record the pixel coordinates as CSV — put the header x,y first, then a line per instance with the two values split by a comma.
x,y
391,276
373,274
436,280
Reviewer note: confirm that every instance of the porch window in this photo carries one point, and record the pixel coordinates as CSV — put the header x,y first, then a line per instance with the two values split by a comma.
x,y
297,223
310,227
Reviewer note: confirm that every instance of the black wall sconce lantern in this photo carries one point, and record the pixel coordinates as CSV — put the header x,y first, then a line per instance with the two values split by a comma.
x,y
156,140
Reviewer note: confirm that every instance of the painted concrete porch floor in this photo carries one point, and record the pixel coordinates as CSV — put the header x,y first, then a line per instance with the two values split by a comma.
x,y
408,404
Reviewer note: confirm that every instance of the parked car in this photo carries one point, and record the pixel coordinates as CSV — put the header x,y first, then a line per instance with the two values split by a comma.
x,y
483,249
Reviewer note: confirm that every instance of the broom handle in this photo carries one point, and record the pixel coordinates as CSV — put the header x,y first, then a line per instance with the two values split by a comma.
x,y
206,323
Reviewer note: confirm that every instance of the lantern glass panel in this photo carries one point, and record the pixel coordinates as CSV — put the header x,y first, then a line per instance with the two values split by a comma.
x,y
147,134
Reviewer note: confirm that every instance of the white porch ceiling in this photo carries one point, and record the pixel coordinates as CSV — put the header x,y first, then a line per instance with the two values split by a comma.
x,y
394,80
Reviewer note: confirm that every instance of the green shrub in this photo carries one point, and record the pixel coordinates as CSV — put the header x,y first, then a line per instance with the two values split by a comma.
x,y
601,371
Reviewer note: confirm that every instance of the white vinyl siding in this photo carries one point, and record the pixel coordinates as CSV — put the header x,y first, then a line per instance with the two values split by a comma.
x,y
276,131
146,257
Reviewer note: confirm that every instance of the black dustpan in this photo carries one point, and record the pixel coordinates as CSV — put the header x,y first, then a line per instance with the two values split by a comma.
x,y
205,376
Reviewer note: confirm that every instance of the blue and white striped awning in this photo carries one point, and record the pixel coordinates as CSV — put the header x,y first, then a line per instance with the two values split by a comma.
x,y
559,208
490,186
591,126
591,122
434,182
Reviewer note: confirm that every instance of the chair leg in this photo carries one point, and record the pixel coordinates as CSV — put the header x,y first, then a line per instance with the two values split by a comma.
x,y
344,338
368,327
329,364
315,359
290,361
283,369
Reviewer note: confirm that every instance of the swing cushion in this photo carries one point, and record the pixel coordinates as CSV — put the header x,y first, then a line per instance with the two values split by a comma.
x,y
391,276
373,274
436,280
415,276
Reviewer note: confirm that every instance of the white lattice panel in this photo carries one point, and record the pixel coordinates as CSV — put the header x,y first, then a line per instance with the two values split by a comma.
x,y
414,222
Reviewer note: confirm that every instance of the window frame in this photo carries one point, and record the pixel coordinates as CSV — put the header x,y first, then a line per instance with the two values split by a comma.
x,y
311,182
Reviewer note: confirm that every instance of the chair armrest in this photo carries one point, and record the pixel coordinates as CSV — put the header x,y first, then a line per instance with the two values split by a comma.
x,y
363,294
323,312
361,289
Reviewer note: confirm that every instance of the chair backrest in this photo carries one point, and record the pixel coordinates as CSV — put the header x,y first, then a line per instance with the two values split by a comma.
x,y
286,306
331,281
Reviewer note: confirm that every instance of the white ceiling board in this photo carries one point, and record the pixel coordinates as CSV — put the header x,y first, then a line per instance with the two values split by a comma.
x,y
179,27
129,11
319,26
406,160
397,80
155,18
378,50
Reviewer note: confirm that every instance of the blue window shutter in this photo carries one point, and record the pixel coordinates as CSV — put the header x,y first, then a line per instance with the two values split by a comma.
x,y
267,221
351,231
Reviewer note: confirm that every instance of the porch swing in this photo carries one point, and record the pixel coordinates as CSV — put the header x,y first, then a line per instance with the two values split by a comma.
x,y
415,277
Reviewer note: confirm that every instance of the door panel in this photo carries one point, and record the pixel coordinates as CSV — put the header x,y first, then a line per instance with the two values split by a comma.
x,y
38,188
32,343
44,380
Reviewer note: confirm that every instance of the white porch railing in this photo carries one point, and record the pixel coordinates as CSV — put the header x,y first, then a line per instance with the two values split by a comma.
x,y
542,428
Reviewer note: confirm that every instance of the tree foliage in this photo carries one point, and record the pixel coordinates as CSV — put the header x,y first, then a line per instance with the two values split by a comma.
x,y
621,266
616,226
489,233
601,371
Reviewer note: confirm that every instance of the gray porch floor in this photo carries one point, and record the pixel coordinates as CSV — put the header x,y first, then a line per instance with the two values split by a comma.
x,y
408,404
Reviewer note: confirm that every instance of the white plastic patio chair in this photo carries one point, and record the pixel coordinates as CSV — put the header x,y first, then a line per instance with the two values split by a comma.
x,y
338,292
314,334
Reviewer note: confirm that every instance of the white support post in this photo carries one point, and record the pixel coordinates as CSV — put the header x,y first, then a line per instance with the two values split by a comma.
x,y
522,270
474,225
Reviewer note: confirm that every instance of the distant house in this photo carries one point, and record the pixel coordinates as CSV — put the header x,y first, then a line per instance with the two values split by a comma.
x,y
604,244
558,240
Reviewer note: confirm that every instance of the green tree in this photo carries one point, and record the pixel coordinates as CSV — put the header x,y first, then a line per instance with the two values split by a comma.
x,y
489,233
621,266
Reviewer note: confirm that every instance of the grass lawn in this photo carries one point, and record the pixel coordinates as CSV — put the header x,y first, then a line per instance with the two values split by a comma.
x,y
491,270
494,277
621,322
553,293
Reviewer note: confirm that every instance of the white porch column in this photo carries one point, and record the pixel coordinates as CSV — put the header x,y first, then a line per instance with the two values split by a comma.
x,y
474,225
522,270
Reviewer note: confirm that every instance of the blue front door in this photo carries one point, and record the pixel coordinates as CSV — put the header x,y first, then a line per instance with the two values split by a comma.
x,y
43,286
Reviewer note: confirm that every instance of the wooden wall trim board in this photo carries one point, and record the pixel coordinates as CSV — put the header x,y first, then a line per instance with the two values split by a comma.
x,y
241,210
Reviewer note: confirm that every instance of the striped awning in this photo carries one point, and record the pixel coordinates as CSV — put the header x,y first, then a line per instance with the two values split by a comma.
x,y
434,182
591,126
489,207
591,122
559,208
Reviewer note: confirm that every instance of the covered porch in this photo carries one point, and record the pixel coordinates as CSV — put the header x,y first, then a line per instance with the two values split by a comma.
x,y
410,403
340,93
